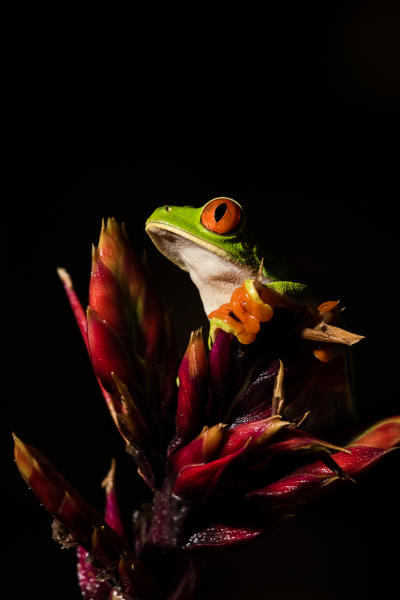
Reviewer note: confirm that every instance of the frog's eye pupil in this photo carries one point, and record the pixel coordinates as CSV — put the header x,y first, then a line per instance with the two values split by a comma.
x,y
220,211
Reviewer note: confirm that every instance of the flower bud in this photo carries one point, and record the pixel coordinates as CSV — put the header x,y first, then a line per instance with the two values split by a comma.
x,y
201,449
193,374
196,482
256,432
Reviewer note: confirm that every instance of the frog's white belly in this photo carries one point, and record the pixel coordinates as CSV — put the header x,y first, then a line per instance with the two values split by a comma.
x,y
214,277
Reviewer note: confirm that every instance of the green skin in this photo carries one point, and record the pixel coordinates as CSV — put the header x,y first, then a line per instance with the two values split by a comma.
x,y
217,263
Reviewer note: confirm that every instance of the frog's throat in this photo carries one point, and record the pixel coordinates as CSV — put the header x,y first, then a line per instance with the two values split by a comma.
x,y
169,245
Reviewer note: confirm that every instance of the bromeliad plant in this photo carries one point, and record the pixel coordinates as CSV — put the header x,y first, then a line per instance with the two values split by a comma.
x,y
227,451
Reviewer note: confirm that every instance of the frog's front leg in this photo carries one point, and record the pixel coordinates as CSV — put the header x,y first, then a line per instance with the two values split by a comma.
x,y
243,314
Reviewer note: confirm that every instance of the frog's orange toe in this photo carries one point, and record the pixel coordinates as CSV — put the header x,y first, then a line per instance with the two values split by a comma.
x,y
324,354
243,314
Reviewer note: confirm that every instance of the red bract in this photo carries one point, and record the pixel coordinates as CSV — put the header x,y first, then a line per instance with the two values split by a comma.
x,y
131,347
308,481
192,396
242,439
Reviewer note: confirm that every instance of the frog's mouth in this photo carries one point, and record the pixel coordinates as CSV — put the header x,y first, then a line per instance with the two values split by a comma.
x,y
176,244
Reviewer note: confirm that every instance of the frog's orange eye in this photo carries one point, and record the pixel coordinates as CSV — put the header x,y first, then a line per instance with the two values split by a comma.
x,y
221,215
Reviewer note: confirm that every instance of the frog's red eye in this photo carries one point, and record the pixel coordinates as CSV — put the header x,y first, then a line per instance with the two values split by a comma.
x,y
221,215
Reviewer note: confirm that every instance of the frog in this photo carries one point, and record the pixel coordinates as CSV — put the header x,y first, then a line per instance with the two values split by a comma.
x,y
241,286
238,282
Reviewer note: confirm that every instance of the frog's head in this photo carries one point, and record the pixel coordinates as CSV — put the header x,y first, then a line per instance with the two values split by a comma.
x,y
217,227
210,243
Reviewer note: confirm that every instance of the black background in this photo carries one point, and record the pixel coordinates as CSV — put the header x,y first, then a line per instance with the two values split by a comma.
x,y
293,113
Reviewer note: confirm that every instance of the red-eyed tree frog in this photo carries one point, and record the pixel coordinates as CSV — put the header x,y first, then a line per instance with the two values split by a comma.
x,y
238,284
240,287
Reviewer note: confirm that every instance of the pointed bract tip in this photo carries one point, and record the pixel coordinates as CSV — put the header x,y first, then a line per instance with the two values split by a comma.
x,y
65,277
196,335
112,225
17,441
108,481
123,391
298,421
95,262
278,398
109,227
383,434
196,354
212,438
23,458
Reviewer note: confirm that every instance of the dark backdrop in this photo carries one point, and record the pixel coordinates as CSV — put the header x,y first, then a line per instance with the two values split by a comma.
x,y
295,115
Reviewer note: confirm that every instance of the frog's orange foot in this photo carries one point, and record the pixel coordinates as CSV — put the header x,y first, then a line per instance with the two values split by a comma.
x,y
243,314
328,311
324,353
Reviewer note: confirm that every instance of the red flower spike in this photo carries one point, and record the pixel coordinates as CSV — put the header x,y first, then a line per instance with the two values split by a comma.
x,y
142,308
127,336
199,482
121,293
192,375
